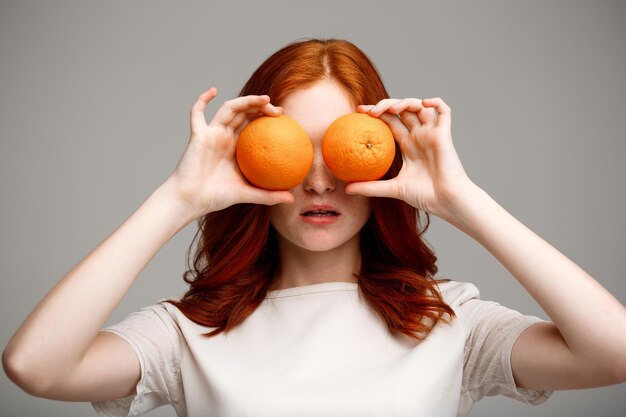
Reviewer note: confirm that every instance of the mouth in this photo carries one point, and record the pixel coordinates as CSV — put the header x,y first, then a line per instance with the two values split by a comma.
x,y
320,214
320,211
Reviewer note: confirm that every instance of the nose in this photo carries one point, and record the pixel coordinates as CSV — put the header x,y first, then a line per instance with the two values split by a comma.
x,y
319,179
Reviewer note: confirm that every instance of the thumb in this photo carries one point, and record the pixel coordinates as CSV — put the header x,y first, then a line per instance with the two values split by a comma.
x,y
259,196
386,188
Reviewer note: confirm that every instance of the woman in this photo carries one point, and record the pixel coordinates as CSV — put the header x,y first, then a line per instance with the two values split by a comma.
x,y
291,315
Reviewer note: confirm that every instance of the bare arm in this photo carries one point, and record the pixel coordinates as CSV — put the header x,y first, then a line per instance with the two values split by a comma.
x,y
585,346
58,351
69,317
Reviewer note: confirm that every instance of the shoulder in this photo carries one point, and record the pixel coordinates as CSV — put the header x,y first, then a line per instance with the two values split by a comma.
x,y
168,312
185,326
483,320
456,293
464,299
158,320
159,314
162,307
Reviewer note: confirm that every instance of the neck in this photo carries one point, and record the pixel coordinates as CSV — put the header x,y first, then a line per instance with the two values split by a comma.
x,y
301,267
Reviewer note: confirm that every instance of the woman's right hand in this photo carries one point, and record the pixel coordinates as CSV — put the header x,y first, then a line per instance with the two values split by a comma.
x,y
207,177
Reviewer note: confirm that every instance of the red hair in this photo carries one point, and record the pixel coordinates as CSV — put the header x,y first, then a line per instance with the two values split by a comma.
x,y
237,254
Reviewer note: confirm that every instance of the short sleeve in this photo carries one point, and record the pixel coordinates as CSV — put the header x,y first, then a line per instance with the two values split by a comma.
x,y
493,329
157,341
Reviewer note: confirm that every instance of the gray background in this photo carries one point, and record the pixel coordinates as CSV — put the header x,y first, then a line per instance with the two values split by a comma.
x,y
94,105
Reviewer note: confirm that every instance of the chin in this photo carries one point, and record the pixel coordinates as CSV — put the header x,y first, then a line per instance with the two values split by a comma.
x,y
319,246
322,242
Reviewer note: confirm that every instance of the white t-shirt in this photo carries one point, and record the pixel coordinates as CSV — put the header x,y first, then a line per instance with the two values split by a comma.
x,y
320,350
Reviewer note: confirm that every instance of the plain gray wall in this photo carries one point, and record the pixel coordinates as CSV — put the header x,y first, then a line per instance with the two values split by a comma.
x,y
94,107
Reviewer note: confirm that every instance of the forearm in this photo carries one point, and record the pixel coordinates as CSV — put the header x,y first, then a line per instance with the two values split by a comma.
x,y
59,330
590,319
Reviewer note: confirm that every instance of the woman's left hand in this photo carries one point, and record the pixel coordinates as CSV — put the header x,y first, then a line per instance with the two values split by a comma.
x,y
432,177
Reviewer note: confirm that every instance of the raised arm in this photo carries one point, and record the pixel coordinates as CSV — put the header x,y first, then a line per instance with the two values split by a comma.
x,y
57,352
585,345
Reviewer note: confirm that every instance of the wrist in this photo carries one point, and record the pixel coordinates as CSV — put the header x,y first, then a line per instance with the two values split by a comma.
x,y
180,208
462,205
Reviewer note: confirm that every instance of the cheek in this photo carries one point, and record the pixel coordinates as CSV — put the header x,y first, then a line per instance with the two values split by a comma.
x,y
362,209
279,214
276,213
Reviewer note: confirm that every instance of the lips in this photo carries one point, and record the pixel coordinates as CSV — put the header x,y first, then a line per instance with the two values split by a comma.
x,y
320,210
320,215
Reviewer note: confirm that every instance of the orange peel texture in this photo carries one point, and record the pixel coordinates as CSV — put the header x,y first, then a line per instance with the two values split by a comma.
x,y
358,147
274,152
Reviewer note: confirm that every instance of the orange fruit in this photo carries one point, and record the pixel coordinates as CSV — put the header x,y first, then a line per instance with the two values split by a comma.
x,y
358,147
274,152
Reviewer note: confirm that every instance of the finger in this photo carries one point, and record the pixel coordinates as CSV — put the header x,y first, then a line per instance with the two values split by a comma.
x,y
364,108
197,119
444,113
426,116
238,120
247,119
410,119
386,188
397,127
242,126
410,104
382,106
231,108
270,198
267,110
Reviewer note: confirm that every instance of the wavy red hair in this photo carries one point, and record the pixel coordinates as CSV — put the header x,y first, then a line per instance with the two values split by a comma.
x,y
237,254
